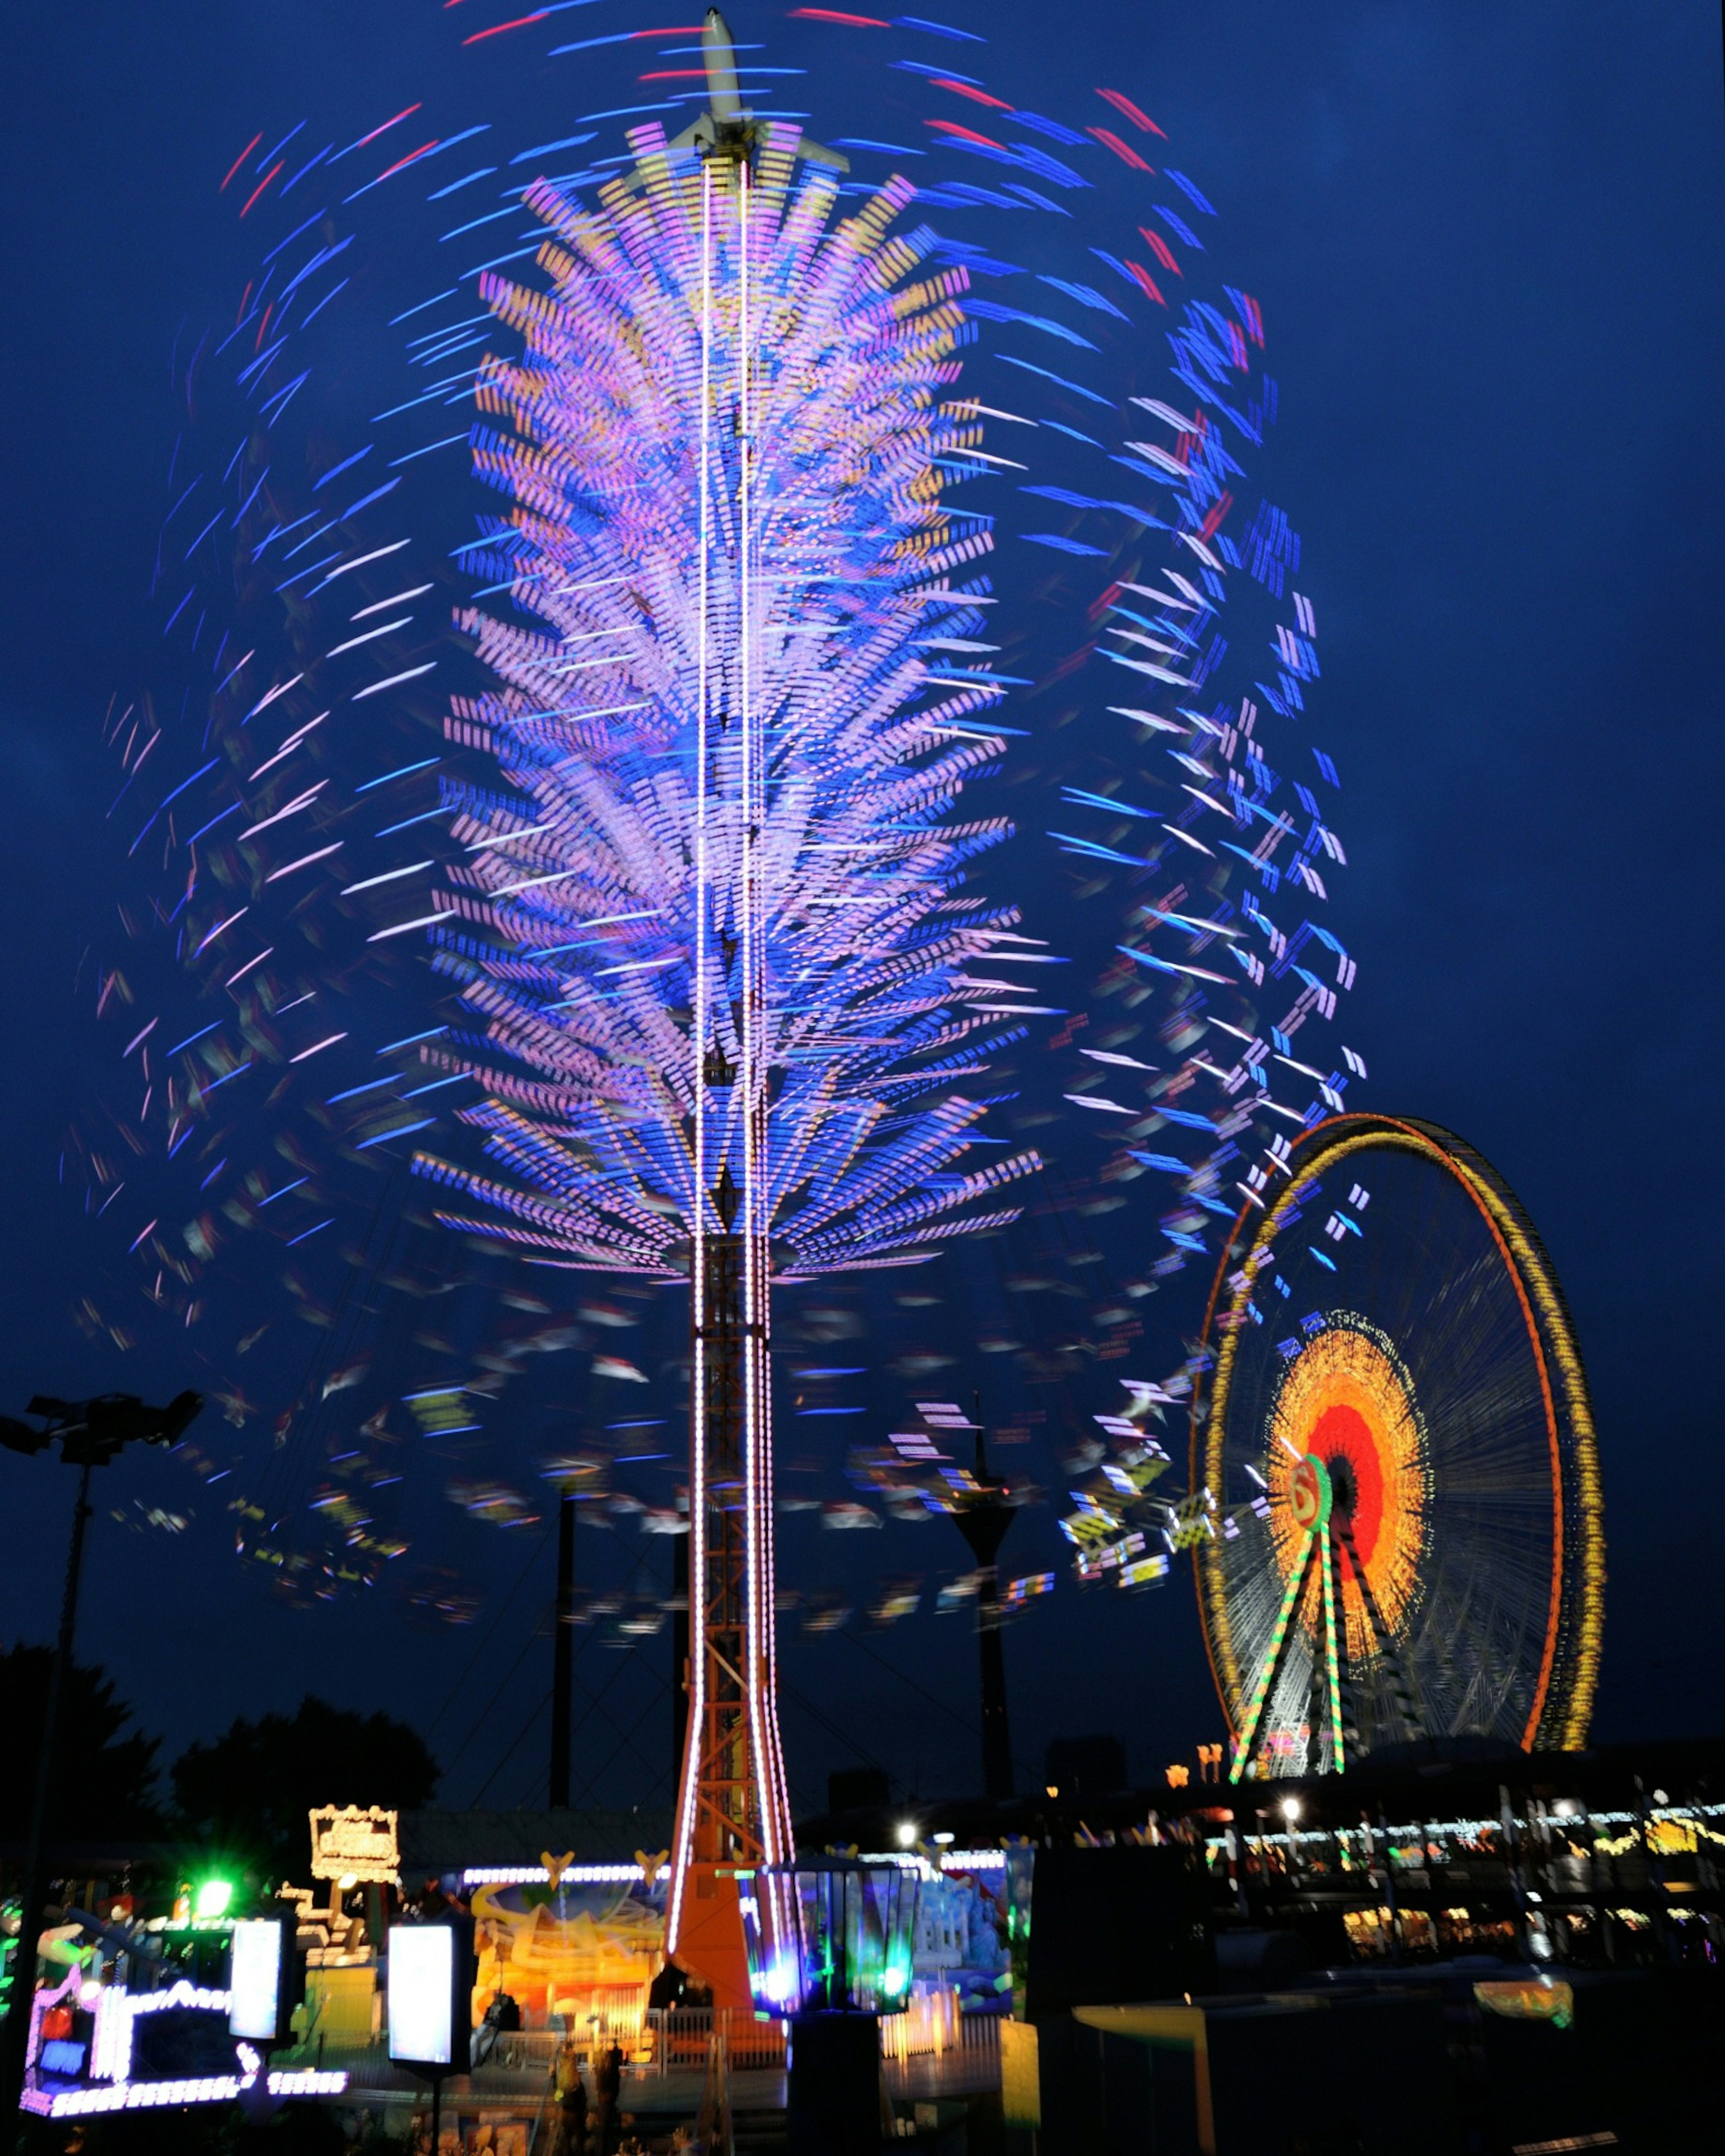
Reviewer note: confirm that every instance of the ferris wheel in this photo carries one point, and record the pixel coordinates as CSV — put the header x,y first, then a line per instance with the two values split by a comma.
x,y
1395,1453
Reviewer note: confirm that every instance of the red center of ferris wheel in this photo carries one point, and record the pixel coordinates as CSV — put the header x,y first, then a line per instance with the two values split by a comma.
x,y
1351,1448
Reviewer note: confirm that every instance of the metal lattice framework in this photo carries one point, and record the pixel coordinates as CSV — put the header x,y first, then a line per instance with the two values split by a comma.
x,y
1405,1539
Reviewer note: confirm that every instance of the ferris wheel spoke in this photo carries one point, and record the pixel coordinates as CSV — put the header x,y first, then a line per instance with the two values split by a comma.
x,y
1298,1572
1474,1633
1401,1684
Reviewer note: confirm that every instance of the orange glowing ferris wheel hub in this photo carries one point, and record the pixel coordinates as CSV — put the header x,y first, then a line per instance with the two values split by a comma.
x,y
1347,1403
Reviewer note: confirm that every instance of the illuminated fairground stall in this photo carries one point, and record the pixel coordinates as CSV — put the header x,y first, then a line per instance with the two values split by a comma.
x,y
196,2007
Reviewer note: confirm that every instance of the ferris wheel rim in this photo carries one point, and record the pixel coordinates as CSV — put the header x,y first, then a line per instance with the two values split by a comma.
x,y
1577,1553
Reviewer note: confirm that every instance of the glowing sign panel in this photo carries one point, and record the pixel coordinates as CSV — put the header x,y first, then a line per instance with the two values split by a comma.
x,y
349,1843
422,1992
255,1988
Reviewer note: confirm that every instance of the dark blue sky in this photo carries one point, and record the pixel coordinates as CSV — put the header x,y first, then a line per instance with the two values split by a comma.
x,y
1487,240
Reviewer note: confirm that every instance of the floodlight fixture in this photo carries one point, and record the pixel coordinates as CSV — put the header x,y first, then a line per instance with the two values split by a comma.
x,y
212,1898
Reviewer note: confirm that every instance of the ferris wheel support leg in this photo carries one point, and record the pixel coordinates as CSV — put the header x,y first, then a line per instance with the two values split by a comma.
x,y
1398,1678
1297,1575
1332,1660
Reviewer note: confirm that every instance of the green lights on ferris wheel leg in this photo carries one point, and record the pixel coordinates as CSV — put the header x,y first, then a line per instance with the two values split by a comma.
x,y
1332,1660
1296,1582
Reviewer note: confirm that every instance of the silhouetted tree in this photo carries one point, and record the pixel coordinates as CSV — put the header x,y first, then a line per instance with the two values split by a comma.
x,y
107,1784
249,1791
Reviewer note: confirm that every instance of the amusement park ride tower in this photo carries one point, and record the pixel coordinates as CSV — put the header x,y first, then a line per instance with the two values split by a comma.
x,y
733,1810
748,986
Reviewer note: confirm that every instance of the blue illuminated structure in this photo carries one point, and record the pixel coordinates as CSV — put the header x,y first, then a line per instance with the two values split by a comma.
x,y
831,1935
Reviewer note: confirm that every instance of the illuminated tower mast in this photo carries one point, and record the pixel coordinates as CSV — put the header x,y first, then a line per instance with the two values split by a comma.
x,y
732,1805
726,989
733,1810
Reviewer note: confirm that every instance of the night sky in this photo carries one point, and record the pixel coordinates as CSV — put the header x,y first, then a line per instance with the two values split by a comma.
x,y
1487,242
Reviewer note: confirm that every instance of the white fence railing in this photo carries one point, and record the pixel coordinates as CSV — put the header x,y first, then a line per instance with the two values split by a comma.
x,y
681,2038
930,2035
931,2026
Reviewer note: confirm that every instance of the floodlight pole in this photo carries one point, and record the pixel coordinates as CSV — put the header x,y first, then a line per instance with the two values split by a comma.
x,y
563,1659
89,1434
16,2035
983,1517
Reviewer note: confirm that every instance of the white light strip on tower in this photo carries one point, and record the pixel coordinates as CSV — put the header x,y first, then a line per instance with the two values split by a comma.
x,y
695,1724
763,1676
749,1077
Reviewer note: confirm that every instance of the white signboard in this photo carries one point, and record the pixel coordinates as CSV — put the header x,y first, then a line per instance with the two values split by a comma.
x,y
422,1993
255,1986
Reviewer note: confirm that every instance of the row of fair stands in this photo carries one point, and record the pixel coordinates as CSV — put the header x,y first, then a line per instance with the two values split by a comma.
x,y
402,1957
398,1969
401,1960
